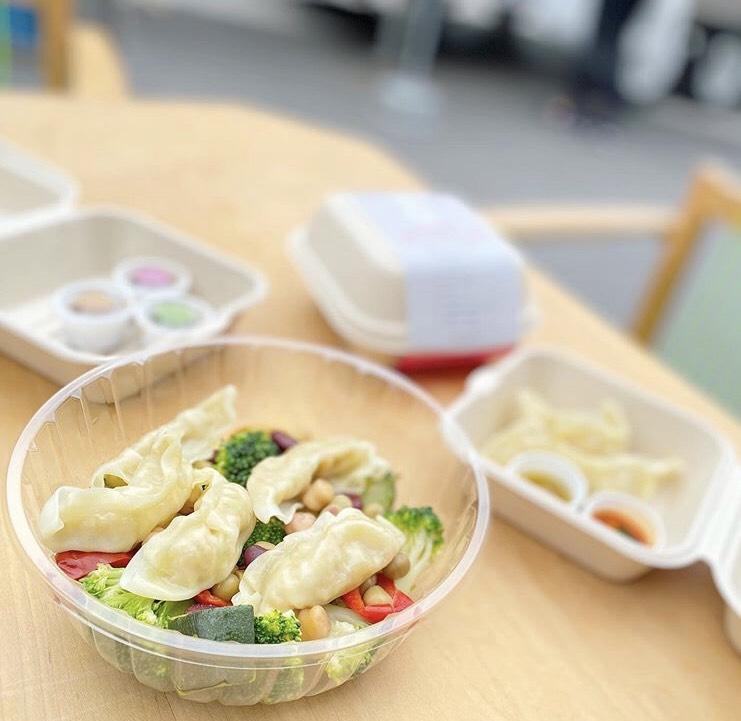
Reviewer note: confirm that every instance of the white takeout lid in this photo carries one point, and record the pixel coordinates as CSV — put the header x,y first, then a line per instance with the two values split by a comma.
x,y
357,278
31,189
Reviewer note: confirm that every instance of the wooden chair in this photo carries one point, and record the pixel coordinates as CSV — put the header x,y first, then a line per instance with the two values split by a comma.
x,y
692,322
76,57
55,24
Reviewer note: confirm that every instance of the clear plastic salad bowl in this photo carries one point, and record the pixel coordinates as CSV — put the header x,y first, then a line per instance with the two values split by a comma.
x,y
303,389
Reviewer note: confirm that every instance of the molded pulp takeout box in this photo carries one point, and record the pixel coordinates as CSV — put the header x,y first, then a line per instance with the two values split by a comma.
x,y
46,244
30,189
361,262
83,244
701,509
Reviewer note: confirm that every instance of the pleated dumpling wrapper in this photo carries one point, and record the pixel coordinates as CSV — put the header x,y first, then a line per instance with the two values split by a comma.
x,y
200,430
195,551
597,442
315,566
346,463
115,519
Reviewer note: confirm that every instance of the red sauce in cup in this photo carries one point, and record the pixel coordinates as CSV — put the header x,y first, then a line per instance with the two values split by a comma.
x,y
623,523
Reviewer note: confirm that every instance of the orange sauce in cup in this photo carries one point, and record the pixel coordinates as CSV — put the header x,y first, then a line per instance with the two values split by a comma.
x,y
623,523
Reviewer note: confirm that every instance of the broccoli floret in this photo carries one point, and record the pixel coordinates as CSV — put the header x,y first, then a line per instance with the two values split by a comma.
x,y
104,584
277,627
241,452
288,684
424,538
347,664
274,531
350,662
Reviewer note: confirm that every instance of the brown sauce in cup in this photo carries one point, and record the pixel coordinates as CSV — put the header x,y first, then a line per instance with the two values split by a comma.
x,y
548,483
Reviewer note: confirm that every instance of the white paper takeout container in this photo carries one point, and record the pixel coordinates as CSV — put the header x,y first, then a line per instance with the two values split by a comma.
x,y
30,189
700,510
40,256
358,282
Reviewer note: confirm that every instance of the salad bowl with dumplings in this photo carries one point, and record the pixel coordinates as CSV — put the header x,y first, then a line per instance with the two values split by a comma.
x,y
258,521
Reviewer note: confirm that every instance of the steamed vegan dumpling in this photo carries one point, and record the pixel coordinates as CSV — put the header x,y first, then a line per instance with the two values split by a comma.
x,y
597,442
346,463
115,519
199,428
315,566
603,431
195,551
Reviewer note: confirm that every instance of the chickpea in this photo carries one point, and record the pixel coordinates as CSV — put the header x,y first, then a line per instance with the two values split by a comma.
x,y
342,501
398,568
373,510
367,584
318,495
266,545
300,522
331,508
153,532
314,622
376,596
227,588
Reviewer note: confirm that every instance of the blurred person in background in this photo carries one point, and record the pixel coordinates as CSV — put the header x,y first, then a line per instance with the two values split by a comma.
x,y
595,95
636,56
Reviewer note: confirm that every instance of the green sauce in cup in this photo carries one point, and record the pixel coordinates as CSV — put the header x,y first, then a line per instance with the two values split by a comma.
x,y
174,314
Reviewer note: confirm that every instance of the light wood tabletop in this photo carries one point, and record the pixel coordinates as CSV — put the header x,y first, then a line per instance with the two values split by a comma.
x,y
528,635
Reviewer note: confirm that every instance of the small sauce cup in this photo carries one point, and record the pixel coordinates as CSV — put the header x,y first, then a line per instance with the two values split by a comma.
x,y
95,314
553,474
628,515
165,319
149,276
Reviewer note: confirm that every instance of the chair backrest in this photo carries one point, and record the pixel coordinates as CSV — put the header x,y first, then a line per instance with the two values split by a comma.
x,y
5,44
700,334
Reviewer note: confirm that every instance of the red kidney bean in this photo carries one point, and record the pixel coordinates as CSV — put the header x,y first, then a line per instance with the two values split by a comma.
x,y
251,553
356,500
283,440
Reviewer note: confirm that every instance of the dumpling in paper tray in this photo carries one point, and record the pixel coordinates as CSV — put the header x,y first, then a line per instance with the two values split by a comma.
x,y
598,442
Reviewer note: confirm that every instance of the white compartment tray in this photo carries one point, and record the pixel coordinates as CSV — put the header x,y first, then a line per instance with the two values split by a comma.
x,y
701,510
31,189
40,255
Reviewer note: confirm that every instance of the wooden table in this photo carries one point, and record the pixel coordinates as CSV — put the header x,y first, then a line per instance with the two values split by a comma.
x,y
528,635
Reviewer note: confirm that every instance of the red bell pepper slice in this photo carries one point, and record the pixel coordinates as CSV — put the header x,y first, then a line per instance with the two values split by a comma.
x,y
77,564
354,601
399,601
206,598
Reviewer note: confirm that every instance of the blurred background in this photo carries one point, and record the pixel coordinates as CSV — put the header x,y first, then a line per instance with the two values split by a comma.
x,y
500,101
